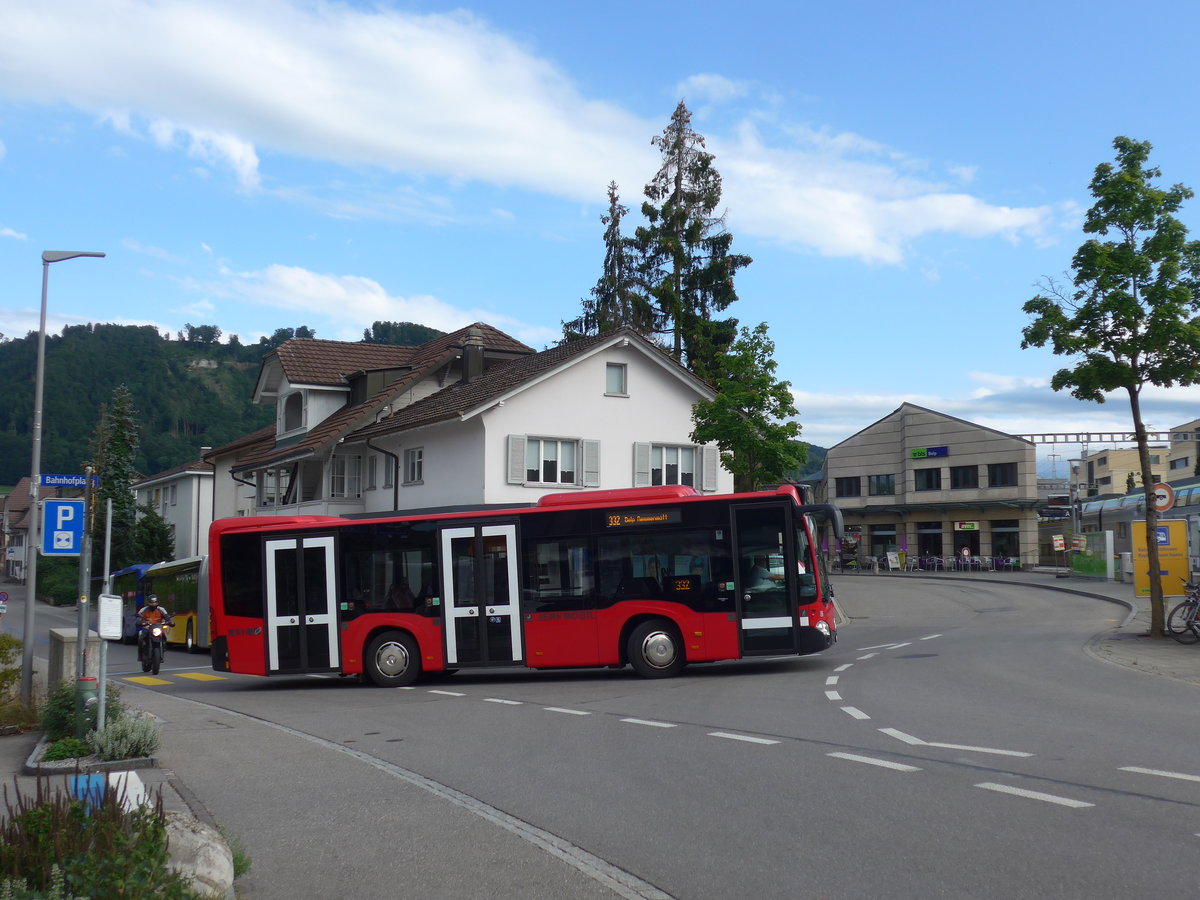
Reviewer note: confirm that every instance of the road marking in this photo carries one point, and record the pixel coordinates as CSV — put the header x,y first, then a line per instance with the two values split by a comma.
x,y
901,736
844,667
505,702
991,750
449,693
1033,795
741,737
917,742
1180,775
930,637
650,723
569,712
833,695
201,676
855,712
832,680
147,680
898,646
872,761
869,656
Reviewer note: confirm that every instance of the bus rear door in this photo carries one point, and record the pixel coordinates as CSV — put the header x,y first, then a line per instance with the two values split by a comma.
x,y
480,595
301,618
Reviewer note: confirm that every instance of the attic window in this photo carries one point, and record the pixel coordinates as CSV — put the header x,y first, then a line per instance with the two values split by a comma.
x,y
615,380
293,411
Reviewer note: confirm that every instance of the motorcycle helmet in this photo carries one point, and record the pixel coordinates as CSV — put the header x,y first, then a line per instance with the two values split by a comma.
x,y
152,599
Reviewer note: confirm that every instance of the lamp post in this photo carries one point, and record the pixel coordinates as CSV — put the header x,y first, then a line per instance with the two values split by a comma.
x,y
48,256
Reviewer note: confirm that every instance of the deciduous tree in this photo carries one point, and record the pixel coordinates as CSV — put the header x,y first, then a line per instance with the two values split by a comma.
x,y
1131,318
750,419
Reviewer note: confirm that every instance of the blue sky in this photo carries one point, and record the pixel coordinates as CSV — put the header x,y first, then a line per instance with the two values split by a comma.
x,y
902,175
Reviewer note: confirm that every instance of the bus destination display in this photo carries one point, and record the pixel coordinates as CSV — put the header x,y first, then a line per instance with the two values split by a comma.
x,y
624,519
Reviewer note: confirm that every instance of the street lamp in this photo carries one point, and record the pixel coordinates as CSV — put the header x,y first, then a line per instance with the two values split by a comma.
x,y
31,552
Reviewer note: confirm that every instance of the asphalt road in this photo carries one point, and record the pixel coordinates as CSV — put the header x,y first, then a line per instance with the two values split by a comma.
x,y
957,742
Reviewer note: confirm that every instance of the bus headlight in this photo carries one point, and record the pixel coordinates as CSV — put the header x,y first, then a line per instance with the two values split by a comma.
x,y
823,627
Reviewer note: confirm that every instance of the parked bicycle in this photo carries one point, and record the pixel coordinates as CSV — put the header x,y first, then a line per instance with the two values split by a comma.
x,y
1183,623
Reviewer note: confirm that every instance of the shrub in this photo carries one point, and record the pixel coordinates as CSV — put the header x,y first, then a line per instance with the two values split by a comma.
x,y
60,718
101,850
127,737
67,748
12,710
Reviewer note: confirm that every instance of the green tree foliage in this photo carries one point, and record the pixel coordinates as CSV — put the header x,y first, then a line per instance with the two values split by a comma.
x,y
189,395
153,536
266,344
616,300
200,334
1131,318
685,259
115,448
750,418
399,334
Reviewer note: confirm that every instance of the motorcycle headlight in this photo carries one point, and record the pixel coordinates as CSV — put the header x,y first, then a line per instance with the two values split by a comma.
x,y
157,632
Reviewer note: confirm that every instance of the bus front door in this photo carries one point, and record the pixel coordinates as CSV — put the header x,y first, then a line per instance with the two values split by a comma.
x,y
302,633
480,595
766,591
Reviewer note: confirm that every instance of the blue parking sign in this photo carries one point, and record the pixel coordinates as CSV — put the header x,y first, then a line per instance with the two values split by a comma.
x,y
62,527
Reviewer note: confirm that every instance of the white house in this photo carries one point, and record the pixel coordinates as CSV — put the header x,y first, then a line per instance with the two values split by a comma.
x,y
183,496
472,419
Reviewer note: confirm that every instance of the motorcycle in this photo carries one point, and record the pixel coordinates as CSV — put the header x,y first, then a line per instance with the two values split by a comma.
x,y
154,646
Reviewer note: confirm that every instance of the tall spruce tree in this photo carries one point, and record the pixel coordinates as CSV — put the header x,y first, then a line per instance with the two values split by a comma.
x,y
616,299
686,264
114,449
1133,318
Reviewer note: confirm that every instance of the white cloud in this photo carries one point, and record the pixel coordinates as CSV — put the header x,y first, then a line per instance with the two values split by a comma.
x,y
450,96
9,233
335,301
709,88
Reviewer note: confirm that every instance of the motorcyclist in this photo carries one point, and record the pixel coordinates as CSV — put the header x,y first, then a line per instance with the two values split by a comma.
x,y
148,616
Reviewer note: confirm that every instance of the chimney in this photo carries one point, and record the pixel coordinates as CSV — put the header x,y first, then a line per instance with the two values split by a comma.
x,y
472,362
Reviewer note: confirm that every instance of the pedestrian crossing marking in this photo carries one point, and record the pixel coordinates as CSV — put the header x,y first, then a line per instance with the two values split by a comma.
x,y
202,676
147,680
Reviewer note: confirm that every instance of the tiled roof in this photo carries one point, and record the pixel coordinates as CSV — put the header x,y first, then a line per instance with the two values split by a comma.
x,y
198,465
461,398
313,361
264,436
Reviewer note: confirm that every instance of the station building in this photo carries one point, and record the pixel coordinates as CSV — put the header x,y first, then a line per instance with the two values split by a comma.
x,y
924,485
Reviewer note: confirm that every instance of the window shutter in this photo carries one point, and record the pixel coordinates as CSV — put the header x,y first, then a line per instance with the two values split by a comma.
x,y
641,465
710,458
516,459
591,463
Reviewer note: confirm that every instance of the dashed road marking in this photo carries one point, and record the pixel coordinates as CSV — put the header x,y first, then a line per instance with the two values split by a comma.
x,y
569,712
505,702
1183,776
832,679
1033,795
854,712
843,667
650,723
872,761
869,656
917,742
833,695
930,637
449,693
741,737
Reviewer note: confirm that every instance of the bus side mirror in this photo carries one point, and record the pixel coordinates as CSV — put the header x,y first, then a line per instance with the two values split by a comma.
x,y
808,585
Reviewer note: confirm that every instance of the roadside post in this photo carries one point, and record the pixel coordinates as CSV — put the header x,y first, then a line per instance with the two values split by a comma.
x,y
104,616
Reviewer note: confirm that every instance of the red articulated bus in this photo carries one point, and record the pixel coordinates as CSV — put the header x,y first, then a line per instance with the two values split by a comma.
x,y
654,577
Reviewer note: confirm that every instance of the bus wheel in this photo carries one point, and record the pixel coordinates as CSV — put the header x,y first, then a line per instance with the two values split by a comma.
x,y
392,660
655,650
189,642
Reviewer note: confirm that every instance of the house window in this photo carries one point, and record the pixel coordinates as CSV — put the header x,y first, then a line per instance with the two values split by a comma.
x,y
672,465
1181,463
928,479
549,461
881,485
345,477
615,379
1154,459
848,487
293,411
1002,474
272,486
964,477
174,494
372,465
414,465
